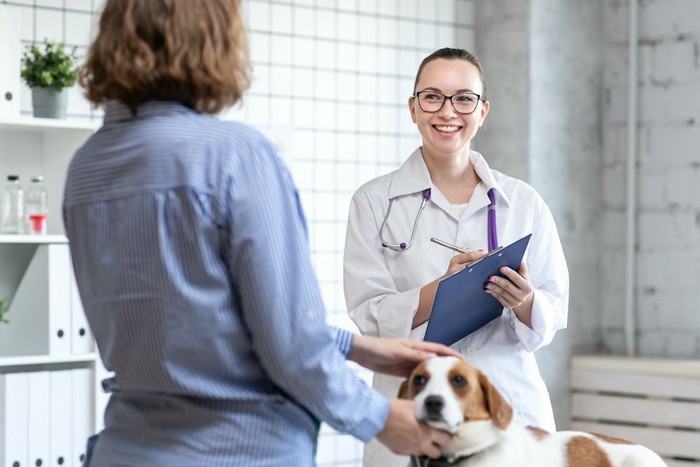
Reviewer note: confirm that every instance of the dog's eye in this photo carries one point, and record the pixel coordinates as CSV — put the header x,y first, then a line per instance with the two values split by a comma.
x,y
419,380
459,381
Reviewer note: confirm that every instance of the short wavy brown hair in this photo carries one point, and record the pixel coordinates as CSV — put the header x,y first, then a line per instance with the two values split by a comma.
x,y
190,51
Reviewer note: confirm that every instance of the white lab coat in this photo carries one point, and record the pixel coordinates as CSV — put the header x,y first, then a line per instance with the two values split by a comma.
x,y
382,286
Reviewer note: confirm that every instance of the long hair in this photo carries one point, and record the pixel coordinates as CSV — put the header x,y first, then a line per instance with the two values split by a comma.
x,y
191,51
452,54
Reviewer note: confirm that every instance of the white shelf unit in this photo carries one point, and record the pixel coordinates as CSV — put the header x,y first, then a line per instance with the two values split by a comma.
x,y
36,275
42,146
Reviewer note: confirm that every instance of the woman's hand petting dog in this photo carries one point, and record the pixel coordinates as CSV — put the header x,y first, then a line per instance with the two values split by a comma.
x,y
396,357
406,436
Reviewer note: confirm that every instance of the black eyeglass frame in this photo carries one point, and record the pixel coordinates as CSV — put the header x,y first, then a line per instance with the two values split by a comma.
x,y
446,98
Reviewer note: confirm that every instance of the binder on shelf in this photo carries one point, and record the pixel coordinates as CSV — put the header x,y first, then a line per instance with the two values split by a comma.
x,y
9,61
38,415
39,312
14,430
80,335
83,412
60,417
461,306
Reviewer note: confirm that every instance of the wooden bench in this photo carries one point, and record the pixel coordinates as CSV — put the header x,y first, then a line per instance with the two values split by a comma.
x,y
654,402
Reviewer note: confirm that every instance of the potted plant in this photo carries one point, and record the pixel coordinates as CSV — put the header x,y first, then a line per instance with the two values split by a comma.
x,y
49,70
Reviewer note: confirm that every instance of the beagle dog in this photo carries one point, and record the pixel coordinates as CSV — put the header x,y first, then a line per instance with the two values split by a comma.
x,y
454,396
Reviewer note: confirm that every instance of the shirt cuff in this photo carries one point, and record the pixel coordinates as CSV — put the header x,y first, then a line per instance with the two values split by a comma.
x,y
377,416
541,332
343,340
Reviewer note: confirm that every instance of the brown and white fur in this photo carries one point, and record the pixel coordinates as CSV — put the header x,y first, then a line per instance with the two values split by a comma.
x,y
454,396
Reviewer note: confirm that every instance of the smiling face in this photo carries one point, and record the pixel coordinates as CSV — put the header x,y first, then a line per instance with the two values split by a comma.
x,y
446,133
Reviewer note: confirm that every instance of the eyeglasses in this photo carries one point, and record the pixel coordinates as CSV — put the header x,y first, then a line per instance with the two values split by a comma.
x,y
432,101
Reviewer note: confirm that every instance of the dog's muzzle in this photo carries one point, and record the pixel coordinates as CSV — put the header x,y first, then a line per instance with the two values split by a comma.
x,y
433,407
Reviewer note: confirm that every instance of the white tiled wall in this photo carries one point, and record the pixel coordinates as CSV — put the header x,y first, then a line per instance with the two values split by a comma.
x,y
332,79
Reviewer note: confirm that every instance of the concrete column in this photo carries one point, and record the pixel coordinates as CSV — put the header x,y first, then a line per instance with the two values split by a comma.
x,y
543,62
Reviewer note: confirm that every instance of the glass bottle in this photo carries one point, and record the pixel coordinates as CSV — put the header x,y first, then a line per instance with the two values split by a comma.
x,y
12,221
36,206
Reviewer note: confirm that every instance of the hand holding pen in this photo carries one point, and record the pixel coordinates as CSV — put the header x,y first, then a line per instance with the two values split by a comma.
x,y
458,262
450,246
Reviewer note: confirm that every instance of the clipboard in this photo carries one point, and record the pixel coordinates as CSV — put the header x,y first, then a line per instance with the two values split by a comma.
x,y
461,305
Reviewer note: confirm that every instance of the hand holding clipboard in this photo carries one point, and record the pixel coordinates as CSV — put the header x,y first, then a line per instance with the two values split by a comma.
x,y
461,306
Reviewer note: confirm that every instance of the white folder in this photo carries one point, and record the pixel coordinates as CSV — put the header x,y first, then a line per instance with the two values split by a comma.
x,y
81,337
38,415
83,412
9,61
59,299
14,433
60,417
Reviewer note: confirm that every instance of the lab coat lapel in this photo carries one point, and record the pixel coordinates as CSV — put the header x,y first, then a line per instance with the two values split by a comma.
x,y
412,177
488,181
480,198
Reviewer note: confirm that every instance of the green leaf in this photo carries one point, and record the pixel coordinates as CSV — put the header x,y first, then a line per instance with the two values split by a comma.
x,y
49,66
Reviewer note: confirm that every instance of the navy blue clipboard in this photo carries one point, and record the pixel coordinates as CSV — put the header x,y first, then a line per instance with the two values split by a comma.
x,y
461,304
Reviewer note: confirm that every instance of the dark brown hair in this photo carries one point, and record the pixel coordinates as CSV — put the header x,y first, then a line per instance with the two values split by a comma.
x,y
190,51
453,54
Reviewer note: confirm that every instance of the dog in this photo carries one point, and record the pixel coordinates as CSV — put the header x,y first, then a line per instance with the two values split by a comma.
x,y
453,396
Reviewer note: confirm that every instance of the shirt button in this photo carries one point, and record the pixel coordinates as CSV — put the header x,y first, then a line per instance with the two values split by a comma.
x,y
471,351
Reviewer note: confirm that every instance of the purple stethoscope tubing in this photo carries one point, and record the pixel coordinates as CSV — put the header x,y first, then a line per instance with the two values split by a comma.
x,y
491,228
492,234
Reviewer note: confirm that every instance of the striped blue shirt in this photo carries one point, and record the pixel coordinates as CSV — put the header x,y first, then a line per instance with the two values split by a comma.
x,y
192,260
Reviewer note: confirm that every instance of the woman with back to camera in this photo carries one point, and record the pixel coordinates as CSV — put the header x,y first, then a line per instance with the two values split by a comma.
x,y
208,313
445,190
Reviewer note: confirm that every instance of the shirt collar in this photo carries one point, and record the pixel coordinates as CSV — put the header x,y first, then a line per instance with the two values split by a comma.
x,y
116,111
413,176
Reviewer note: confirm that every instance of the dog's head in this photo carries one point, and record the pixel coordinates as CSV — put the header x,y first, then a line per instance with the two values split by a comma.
x,y
449,392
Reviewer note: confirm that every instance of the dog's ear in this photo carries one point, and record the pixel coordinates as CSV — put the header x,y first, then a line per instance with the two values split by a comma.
x,y
403,390
500,410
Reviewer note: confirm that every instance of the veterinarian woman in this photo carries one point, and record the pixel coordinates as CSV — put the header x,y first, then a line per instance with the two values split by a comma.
x,y
207,311
446,190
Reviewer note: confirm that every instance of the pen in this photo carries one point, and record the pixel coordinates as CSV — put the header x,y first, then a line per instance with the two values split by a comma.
x,y
450,246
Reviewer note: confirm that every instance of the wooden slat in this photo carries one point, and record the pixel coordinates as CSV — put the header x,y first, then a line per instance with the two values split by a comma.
x,y
684,368
668,443
638,384
634,410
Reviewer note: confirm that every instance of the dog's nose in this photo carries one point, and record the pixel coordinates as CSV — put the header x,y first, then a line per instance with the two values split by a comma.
x,y
434,404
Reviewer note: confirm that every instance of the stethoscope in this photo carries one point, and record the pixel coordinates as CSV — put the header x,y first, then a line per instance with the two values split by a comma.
x,y
491,229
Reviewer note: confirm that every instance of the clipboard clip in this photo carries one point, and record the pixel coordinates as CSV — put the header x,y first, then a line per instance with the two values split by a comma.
x,y
490,253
